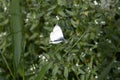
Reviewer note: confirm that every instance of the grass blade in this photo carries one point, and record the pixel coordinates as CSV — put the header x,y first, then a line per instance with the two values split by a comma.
x,y
16,28
43,71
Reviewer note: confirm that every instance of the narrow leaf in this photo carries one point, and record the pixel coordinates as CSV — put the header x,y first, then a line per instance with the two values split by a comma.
x,y
105,71
43,70
66,72
16,28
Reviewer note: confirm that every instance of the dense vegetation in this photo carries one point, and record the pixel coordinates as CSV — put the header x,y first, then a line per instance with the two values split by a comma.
x,y
91,50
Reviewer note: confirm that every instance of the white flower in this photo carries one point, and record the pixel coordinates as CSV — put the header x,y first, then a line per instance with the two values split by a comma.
x,y
118,7
96,77
118,68
76,5
77,64
96,22
57,17
43,57
3,34
41,35
5,8
102,22
109,41
95,2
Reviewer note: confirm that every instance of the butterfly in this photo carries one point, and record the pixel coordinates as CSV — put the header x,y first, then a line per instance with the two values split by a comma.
x,y
56,36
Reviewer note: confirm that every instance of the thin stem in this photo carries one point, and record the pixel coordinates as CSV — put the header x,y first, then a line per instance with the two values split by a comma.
x,y
4,59
76,43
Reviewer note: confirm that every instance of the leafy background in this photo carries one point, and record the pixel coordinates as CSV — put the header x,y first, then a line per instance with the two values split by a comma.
x,y
91,50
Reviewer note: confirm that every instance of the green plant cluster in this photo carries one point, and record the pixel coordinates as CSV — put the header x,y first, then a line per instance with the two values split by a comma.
x,y
91,50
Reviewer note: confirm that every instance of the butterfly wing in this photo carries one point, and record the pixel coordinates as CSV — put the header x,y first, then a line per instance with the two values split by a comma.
x,y
56,36
57,30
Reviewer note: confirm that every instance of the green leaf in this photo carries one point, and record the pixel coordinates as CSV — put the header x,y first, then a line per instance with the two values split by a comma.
x,y
66,72
61,2
105,72
4,22
16,26
34,36
61,13
55,70
2,78
43,70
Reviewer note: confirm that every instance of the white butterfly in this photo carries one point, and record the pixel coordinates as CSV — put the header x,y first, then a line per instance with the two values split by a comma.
x,y
56,36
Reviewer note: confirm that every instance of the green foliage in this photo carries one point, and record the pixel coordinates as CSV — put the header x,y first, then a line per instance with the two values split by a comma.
x,y
16,30
91,50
